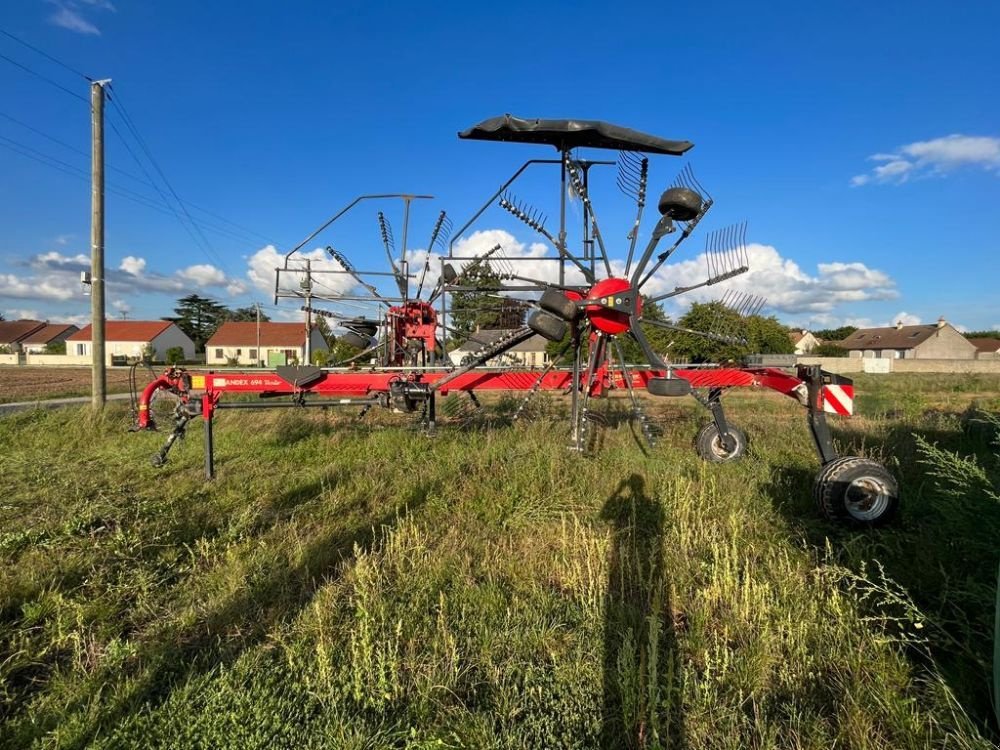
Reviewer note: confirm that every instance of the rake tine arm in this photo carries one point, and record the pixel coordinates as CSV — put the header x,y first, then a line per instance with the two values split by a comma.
x,y
430,246
663,227
581,190
703,334
633,236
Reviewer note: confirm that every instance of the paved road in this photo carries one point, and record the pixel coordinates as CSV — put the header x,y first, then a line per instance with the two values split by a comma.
x,y
53,403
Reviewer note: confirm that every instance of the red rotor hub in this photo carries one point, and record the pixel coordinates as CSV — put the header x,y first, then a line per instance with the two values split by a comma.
x,y
613,299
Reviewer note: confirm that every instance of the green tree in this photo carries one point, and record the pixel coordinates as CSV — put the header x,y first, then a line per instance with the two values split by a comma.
x,y
835,334
174,355
478,309
324,330
246,315
828,349
199,317
763,335
54,347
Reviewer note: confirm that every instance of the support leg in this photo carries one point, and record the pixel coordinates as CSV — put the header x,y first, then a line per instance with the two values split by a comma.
x,y
714,404
207,411
818,428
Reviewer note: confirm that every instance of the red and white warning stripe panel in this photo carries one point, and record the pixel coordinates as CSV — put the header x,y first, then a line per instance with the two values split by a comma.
x,y
838,399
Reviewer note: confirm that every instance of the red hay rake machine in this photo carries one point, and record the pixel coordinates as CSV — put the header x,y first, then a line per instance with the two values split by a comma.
x,y
575,294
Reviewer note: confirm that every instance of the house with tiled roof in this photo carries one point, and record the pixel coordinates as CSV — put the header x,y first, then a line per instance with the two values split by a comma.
x,y
125,339
938,341
13,332
259,344
529,353
38,341
986,348
803,341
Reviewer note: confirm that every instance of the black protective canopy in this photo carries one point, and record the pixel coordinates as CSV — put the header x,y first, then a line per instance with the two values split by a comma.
x,y
567,134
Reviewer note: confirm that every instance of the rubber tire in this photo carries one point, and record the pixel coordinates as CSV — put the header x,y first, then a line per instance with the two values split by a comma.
x,y
559,304
708,444
448,273
668,387
547,326
680,203
833,485
355,340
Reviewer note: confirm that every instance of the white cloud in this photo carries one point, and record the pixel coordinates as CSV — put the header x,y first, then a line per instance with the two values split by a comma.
x,y
203,274
937,156
69,14
68,18
54,288
905,318
262,264
131,264
20,313
121,306
57,277
780,280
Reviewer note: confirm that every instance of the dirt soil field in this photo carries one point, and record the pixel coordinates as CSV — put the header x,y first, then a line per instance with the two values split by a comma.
x,y
31,383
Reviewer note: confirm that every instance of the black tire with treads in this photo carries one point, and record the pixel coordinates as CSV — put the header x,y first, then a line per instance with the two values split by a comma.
x,y
558,304
672,387
548,326
710,446
856,491
356,340
680,203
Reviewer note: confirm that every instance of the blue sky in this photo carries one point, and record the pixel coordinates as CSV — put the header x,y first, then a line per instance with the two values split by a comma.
x,y
860,140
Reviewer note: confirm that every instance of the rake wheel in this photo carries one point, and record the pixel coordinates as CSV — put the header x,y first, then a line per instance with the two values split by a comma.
x,y
857,491
557,303
680,203
711,446
548,326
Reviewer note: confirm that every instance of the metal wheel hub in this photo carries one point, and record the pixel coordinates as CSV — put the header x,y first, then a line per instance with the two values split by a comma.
x,y
866,498
613,301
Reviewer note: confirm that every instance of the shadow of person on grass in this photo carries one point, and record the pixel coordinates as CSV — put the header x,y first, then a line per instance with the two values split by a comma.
x,y
643,688
172,656
941,549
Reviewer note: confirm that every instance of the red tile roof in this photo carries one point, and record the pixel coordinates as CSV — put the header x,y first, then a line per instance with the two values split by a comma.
x,y
271,334
125,330
12,331
49,333
986,344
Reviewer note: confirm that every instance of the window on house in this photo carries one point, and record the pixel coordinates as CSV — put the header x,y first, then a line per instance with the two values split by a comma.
x,y
219,354
81,349
253,354
238,353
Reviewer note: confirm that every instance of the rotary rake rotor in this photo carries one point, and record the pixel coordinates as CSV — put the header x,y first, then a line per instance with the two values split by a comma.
x,y
591,295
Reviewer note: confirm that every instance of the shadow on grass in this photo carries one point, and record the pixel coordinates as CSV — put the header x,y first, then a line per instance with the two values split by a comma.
x,y
942,548
642,676
172,656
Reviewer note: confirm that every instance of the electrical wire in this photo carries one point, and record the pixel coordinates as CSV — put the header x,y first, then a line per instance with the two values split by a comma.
x,y
48,80
46,55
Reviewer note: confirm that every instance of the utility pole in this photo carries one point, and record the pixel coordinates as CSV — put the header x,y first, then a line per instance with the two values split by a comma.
x,y
99,379
259,358
307,286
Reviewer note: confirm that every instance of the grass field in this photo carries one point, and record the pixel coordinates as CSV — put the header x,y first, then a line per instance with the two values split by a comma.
x,y
346,586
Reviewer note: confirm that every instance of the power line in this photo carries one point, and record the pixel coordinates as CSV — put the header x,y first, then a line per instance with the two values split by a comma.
x,y
125,173
48,80
46,55
74,171
206,245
